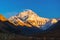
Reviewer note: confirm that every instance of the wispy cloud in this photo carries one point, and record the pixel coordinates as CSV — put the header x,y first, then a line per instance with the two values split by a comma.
x,y
9,14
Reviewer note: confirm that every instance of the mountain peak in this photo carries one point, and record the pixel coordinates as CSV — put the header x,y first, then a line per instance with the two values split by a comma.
x,y
28,18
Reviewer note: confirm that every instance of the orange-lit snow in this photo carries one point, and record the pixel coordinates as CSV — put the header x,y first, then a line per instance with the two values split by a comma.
x,y
29,18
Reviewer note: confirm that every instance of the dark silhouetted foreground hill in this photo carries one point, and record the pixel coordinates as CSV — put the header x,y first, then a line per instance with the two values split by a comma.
x,y
10,32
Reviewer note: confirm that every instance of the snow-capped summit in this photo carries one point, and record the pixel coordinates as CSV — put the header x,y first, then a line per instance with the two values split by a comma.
x,y
30,19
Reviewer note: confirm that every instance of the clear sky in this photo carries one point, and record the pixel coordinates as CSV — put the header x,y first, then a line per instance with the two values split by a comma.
x,y
44,8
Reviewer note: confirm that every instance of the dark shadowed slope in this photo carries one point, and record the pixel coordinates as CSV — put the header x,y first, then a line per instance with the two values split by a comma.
x,y
9,32
54,30
8,27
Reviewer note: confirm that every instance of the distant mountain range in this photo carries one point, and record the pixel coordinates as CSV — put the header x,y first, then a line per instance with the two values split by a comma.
x,y
28,22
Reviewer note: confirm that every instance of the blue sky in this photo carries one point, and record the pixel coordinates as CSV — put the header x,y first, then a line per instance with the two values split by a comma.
x,y
44,8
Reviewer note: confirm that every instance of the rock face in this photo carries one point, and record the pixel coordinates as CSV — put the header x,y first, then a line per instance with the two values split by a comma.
x,y
30,19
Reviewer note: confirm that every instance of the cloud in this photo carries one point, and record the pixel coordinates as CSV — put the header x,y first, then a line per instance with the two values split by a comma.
x,y
9,14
